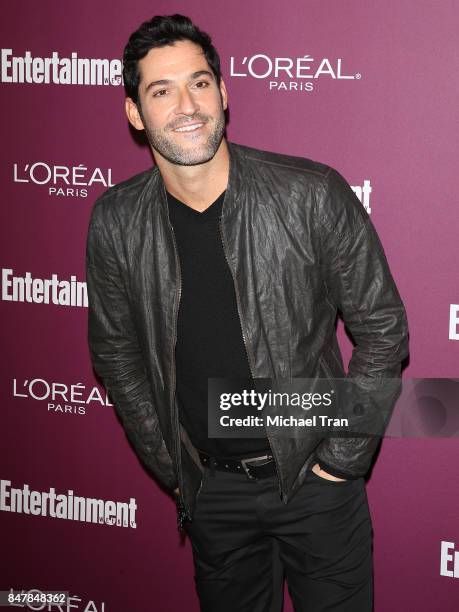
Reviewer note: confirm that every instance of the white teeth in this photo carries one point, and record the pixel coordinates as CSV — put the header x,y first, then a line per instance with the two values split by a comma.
x,y
188,128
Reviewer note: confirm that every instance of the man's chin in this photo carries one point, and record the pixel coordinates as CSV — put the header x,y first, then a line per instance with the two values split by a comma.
x,y
195,161
189,158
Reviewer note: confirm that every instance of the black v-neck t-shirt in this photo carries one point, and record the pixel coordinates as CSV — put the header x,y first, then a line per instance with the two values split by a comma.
x,y
209,335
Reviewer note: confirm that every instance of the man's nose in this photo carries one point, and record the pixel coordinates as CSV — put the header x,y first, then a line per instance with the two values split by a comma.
x,y
186,103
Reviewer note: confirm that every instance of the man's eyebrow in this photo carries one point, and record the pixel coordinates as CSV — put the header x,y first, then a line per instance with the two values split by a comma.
x,y
154,83
193,76
199,73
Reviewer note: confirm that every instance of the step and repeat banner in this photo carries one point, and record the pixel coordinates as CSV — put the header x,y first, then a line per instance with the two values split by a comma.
x,y
370,88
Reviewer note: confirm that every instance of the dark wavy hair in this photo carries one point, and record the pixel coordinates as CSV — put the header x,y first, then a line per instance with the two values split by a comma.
x,y
160,31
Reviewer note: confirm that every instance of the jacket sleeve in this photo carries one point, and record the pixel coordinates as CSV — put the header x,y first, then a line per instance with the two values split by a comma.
x,y
360,284
115,351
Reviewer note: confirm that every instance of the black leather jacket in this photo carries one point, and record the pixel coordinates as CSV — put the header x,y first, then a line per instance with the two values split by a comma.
x,y
300,246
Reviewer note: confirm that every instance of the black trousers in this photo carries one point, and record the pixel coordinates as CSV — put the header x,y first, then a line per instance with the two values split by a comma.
x,y
323,535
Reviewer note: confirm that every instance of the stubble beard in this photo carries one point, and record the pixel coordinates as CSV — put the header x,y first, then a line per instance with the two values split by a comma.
x,y
161,142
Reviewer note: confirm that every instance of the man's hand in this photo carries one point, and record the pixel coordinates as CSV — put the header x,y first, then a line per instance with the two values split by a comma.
x,y
177,492
323,474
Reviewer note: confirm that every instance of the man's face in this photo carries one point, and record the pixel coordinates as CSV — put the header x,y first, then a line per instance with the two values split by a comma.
x,y
180,104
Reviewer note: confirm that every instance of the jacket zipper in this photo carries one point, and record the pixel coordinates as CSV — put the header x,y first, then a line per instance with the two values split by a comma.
x,y
183,515
244,336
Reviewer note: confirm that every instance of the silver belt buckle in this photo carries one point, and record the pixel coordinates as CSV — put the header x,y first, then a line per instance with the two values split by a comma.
x,y
251,460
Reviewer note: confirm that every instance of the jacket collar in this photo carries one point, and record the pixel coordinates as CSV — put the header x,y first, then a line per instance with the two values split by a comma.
x,y
236,176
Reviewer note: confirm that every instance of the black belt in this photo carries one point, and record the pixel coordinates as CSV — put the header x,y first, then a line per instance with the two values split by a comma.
x,y
254,467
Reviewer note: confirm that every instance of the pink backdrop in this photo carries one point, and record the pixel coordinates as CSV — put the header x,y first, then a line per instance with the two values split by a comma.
x,y
394,124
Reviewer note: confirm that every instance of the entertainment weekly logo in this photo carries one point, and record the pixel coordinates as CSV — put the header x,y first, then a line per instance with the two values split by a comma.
x,y
291,73
60,180
67,506
59,397
363,193
454,322
43,290
449,560
57,70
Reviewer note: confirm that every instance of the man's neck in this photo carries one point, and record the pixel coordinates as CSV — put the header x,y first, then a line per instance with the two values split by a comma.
x,y
197,186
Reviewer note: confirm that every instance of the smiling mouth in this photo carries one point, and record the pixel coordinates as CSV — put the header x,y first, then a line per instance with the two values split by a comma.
x,y
189,128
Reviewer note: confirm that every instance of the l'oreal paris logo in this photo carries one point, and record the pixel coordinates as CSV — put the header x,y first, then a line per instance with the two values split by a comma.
x,y
62,180
290,73
61,398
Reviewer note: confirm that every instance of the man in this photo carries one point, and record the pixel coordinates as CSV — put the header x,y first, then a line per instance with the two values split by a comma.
x,y
227,261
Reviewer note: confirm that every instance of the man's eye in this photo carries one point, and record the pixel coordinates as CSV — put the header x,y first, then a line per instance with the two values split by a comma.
x,y
160,94
202,84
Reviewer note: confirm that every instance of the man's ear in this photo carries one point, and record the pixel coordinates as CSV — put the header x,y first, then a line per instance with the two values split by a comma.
x,y
132,113
224,94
